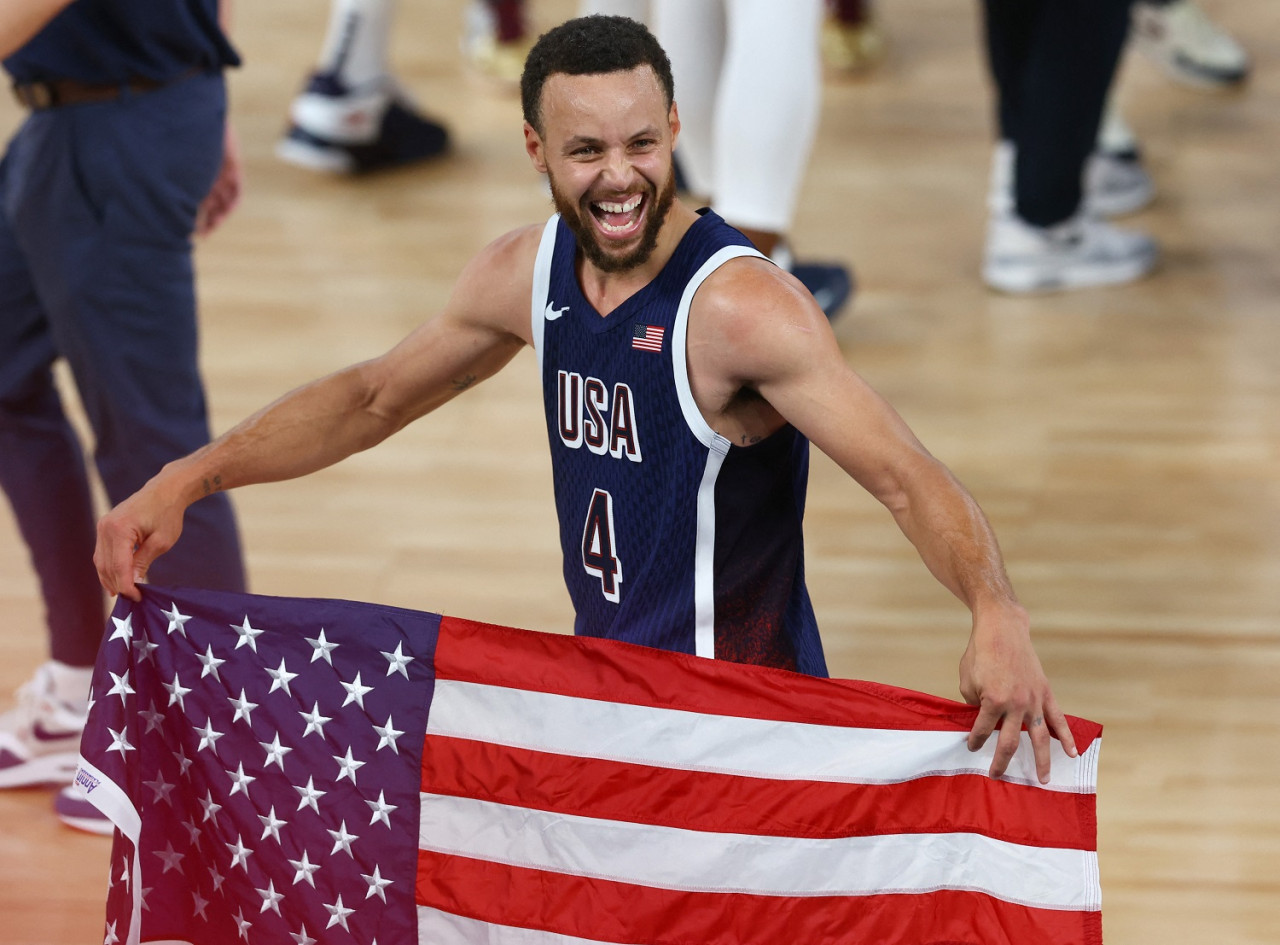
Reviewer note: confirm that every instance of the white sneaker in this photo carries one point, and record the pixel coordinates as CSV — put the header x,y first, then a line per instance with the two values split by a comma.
x,y
1115,183
1076,254
40,737
1183,41
74,809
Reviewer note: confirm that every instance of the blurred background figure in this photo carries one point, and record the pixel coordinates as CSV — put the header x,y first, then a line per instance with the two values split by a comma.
x,y
496,39
748,86
124,154
352,116
852,40
1179,37
1053,65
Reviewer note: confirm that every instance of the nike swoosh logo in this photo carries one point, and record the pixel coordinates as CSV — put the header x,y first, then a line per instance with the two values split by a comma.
x,y
42,734
553,313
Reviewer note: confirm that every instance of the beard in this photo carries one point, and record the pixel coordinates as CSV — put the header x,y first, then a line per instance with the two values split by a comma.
x,y
575,217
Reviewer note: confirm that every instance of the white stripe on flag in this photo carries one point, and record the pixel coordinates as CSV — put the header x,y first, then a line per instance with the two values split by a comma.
x,y
699,861
758,748
444,928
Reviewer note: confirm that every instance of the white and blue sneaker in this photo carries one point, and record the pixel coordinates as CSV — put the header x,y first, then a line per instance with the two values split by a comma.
x,y
341,130
40,736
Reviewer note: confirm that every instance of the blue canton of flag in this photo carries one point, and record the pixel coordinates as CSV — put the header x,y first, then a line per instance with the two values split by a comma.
x,y
647,337
311,817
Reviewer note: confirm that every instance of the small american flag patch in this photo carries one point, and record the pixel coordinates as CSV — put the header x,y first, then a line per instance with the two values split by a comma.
x,y
647,337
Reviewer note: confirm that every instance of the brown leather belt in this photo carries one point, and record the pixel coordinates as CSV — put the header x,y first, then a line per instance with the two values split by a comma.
x,y
56,92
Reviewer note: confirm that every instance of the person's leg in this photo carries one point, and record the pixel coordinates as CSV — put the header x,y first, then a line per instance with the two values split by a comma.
x,y
120,295
693,35
43,475
351,117
42,468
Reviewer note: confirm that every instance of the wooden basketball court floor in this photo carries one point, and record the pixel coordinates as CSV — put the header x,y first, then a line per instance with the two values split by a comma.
x,y
1125,442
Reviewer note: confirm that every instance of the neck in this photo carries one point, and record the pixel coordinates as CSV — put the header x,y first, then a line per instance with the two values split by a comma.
x,y
607,290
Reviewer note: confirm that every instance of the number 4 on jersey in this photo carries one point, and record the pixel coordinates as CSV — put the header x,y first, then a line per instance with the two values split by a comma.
x,y
598,554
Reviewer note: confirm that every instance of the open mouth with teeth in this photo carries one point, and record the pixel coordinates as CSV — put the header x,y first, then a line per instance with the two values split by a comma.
x,y
619,220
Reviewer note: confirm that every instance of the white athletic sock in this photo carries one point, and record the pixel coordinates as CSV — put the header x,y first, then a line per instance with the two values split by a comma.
x,y
355,48
70,683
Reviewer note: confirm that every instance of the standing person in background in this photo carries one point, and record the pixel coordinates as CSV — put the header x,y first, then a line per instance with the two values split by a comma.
x,y
352,116
750,82
1053,64
125,154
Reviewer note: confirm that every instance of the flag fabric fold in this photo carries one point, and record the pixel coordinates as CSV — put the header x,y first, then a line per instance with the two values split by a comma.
x,y
316,771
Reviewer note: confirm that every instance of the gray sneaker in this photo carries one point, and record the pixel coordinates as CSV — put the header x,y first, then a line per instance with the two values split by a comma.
x,y
1077,254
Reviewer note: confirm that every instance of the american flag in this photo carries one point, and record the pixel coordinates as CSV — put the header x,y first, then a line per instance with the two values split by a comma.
x,y
327,772
647,337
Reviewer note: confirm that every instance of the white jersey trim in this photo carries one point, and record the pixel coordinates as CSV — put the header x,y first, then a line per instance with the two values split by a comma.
x,y
704,554
679,334
542,285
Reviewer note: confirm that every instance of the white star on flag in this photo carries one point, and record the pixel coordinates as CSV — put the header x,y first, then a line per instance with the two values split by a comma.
x,y
397,661
201,904
315,721
121,686
119,742
271,825
208,736
112,937
162,789
302,938
176,691
321,648
270,898
170,857
355,691
342,840
210,664
304,868
210,808
310,795
242,924
275,752
247,633
145,649
177,621
124,628
239,853
387,735
242,780
377,884
243,708
280,678
347,767
153,718
381,809
338,915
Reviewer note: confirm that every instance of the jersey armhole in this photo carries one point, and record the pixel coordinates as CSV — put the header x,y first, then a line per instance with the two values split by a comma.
x,y
542,284
697,424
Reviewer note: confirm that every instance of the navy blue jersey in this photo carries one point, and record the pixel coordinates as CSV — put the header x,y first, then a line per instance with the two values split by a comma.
x,y
672,536
107,41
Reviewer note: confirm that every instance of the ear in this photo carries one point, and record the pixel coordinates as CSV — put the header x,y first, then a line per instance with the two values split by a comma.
x,y
534,147
673,119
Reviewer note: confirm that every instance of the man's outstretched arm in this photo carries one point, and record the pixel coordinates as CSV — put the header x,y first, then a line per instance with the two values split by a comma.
x,y
777,342
482,327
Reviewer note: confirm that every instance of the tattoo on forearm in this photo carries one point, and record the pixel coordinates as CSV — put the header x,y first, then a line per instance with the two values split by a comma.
x,y
462,383
212,485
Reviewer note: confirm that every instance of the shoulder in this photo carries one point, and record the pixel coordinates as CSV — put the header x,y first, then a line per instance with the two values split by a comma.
x,y
494,289
758,319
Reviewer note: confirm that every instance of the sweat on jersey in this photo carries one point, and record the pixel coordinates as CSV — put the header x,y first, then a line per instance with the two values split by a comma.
x,y
672,536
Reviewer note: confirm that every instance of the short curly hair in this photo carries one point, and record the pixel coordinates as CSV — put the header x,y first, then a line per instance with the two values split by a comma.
x,y
590,45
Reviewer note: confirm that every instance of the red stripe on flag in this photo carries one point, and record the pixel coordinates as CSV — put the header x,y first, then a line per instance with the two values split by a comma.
x,y
621,912
637,675
723,803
